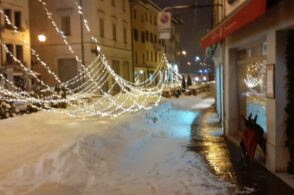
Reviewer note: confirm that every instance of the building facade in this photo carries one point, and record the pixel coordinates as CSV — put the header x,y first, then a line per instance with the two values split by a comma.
x,y
109,22
249,56
172,46
216,53
147,47
17,42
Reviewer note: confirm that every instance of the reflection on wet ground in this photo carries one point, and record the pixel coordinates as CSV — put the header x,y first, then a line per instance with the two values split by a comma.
x,y
224,159
207,139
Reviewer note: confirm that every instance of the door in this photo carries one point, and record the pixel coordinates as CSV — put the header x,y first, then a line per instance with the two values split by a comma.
x,y
115,67
67,69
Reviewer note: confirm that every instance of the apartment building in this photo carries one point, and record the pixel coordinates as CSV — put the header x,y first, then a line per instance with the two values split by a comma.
x,y
147,47
172,46
251,47
18,13
109,22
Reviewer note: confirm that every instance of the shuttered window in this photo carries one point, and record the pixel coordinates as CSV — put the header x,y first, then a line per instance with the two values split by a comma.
x,y
114,32
101,27
65,25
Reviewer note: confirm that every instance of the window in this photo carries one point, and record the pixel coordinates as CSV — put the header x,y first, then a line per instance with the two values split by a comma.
x,y
19,52
114,32
147,55
150,18
135,14
125,35
101,27
17,19
156,56
155,20
135,34
146,16
151,54
155,38
143,58
143,37
151,37
113,2
8,13
9,59
142,18
65,25
136,58
147,36
124,5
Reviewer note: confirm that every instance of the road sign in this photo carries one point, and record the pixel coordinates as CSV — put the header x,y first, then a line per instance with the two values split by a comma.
x,y
164,25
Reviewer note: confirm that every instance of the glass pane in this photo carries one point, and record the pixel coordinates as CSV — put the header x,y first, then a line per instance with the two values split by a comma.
x,y
252,90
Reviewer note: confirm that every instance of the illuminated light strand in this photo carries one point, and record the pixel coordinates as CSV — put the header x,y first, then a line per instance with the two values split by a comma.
x,y
135,93
85,22
60,32
27,45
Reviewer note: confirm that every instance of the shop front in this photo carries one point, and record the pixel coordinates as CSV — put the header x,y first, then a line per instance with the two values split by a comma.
x,y
250,53
251,73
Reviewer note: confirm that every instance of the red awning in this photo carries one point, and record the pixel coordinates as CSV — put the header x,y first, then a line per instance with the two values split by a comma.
x,y
249,12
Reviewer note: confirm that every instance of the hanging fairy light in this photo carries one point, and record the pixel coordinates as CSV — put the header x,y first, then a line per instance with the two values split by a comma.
x,y
97,74
255,77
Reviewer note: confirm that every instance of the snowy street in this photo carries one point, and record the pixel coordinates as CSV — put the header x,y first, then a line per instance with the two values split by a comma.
x,y
138,153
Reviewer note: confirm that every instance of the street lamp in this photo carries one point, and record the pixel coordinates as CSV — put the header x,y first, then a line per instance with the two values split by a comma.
x,y
184,53
42,38
197,59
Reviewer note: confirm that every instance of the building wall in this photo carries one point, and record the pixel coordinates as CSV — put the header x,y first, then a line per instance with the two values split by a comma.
x,y
218,16
11,37
271,28
229,8
147,54
118,51
218,11
173,45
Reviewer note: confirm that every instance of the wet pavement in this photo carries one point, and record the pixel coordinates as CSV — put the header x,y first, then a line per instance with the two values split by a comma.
x,y
224,159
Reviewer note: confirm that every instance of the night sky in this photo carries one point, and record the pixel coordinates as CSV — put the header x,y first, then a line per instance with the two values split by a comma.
x,y
196,24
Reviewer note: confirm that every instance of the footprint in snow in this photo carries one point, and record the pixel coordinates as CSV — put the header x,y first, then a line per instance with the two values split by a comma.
x,y
153,188
189,162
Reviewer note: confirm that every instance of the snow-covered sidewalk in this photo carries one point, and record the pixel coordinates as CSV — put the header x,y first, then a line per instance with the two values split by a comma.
x,y
138,153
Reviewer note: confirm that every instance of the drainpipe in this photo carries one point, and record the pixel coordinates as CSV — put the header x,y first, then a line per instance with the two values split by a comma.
x,y
1,48
82,40
132,40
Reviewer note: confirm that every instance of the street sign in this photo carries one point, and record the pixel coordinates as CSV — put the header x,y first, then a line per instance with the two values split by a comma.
x,y
164,25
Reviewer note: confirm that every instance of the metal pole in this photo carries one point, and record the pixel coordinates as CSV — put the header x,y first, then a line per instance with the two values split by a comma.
x,y
1,48
82,40
191,6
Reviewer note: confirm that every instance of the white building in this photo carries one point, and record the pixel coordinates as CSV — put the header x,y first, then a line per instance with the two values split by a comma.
x,y
109,22
18,13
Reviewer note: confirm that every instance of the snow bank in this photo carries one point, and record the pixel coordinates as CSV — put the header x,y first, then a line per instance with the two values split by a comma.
x,y
139,153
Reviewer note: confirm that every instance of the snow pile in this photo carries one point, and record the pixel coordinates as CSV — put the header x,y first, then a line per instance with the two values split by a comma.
x,y
138,153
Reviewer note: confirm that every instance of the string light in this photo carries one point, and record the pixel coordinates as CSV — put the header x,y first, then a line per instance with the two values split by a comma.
x,y
97,74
